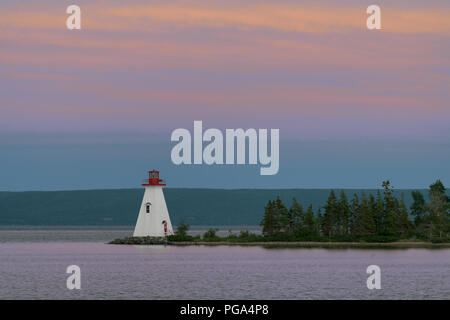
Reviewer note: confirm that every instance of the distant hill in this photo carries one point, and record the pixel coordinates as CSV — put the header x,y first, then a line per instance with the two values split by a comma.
x,y
120,207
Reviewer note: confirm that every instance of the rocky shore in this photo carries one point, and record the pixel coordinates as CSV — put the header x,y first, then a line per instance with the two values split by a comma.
x,y
140,240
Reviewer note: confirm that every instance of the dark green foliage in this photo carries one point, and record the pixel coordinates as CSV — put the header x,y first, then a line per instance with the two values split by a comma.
x,y
383,218
177,237
343,215
418,207
269,223
378,209
210,234
354,213
364,222
436,223
310,223
181,233
404,223
246,236
388,222
296,216
368,219
329,220
438,188
182,229
281,215
277,218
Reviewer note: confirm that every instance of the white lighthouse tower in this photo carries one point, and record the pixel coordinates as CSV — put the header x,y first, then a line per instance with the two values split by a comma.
x,y
153,219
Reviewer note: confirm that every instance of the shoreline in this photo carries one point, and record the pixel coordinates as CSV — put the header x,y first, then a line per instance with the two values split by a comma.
x,y
316,244
302,244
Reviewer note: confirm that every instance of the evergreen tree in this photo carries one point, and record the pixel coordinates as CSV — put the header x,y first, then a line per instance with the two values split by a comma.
x,y
297,216
182,229
418,209
373,209
437,222
404,223
364,221
354,215
389,225
310,223
438,188
379,213
364,217
343,219
281,214
269,223
329,217
318,222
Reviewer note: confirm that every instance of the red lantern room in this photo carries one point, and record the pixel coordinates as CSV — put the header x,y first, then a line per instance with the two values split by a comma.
x,y
153,179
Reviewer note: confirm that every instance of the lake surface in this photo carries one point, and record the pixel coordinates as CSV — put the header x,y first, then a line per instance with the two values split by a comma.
x,y
33,265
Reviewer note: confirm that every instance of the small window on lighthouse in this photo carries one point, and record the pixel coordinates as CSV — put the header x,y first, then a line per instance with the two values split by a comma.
x,y
147,207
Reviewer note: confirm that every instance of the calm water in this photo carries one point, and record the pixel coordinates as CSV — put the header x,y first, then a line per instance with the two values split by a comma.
x,y
33,264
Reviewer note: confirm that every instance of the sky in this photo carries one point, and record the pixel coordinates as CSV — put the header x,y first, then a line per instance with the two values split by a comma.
x,y
95,108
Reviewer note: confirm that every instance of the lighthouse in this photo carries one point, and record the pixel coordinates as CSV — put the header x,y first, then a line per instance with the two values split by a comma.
x,y
153,219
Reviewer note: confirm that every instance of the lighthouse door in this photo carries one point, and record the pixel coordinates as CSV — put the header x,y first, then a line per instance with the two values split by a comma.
x,y
164,222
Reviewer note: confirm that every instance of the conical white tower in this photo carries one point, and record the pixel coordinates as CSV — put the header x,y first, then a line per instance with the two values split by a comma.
x,y
153,219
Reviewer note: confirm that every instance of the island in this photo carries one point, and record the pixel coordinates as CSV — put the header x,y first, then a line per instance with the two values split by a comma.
x,y
382,220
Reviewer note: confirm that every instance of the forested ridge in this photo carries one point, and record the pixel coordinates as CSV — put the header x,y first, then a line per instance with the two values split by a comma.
x,y
202,207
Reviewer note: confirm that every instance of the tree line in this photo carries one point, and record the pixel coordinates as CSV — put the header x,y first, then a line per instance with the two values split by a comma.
x,y
380,217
